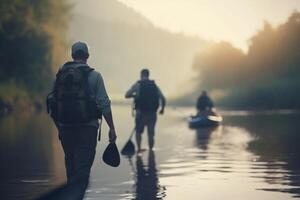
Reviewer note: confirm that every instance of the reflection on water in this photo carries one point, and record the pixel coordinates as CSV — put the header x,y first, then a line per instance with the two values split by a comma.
x,y
251,156
29,159
147,184
278,150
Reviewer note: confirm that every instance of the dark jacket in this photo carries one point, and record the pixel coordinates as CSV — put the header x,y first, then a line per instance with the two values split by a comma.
x,y
204,102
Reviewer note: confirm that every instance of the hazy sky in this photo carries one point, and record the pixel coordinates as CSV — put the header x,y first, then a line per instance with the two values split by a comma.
x,y
231,20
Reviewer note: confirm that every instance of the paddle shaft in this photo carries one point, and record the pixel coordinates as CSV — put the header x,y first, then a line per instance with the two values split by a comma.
x,y
132,133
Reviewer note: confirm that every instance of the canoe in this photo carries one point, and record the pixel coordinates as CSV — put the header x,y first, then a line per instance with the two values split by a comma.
x,y
204,121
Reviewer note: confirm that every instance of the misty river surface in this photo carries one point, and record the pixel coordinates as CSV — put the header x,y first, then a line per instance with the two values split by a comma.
x,y
251,156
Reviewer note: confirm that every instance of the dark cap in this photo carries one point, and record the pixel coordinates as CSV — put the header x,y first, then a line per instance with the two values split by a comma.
x,y
80,46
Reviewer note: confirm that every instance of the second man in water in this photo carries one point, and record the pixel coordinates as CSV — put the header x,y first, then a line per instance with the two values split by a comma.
x,y
147,98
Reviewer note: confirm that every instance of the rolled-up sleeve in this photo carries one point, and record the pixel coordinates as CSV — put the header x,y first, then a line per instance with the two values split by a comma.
x,y
133,91
102,98
161,96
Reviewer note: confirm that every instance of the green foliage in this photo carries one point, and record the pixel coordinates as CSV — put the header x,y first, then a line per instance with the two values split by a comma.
x,y
266,77
228,63
31,35
10,92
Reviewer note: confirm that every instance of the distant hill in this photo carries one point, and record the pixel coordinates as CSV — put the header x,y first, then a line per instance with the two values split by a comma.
x,y
109,11
122,42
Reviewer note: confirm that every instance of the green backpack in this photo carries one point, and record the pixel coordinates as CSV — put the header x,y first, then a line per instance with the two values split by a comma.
x,y
71,102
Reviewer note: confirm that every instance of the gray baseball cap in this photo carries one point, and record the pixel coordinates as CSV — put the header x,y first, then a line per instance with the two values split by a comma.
x,y
80,46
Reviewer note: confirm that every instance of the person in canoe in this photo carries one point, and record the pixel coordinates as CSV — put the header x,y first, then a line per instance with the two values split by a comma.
x,y
204,104
206,115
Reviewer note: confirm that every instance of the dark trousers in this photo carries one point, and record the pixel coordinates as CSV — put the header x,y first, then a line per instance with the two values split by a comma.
x,y
147,119
79,145
143,119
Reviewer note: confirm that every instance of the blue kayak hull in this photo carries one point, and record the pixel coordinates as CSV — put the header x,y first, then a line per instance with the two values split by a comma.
x,y
204,121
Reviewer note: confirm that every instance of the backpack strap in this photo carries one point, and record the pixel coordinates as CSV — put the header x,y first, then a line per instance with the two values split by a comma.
x,y
86,71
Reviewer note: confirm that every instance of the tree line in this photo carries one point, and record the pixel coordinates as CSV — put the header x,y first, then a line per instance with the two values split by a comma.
x,y
32,41
266,77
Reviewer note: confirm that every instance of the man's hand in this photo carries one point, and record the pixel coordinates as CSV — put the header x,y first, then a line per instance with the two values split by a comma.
x,y
112,133
161,112
112,136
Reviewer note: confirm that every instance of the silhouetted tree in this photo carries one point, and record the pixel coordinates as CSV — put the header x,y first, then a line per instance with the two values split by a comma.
x,y
31,40
268,76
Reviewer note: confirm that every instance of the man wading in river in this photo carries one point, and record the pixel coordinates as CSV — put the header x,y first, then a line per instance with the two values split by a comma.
x,y
76,103
146,96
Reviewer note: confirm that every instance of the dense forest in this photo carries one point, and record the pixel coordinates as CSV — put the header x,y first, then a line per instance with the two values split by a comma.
x,y
266,77
33,36
32,41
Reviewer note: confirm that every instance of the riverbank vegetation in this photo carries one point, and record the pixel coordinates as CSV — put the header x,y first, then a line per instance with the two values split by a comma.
x,y
32,42
266,77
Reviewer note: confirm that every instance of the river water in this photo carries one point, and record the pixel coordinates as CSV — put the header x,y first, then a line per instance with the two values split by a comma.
x,y
253,155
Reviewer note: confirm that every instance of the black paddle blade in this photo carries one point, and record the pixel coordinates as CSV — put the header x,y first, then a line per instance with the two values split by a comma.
x,y
128,149
111,155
